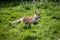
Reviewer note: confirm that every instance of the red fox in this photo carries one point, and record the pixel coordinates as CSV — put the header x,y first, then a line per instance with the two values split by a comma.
x,y
28,19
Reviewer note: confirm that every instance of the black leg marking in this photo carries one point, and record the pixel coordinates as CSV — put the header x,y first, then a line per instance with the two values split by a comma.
x,y
35,23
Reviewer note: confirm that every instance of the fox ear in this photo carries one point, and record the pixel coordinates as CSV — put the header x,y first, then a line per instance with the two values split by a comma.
x,y
35,12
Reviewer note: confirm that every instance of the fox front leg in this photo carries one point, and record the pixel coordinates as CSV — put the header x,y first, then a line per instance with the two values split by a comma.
x,y
35,23
29,25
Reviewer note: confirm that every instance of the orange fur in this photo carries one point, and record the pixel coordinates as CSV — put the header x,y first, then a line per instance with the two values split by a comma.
x,y
28,19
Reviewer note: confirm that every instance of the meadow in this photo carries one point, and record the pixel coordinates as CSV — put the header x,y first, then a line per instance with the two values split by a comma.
x,y
48,27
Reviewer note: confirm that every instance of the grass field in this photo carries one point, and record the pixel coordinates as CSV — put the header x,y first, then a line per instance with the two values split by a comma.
x,y
48,27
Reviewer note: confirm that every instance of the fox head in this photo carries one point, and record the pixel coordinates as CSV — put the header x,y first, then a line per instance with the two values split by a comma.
x,y
37,14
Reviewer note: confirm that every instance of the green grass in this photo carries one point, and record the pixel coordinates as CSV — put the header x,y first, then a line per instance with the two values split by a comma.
x,y
48,27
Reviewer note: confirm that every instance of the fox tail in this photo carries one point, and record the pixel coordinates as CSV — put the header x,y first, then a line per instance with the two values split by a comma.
x,y
15,22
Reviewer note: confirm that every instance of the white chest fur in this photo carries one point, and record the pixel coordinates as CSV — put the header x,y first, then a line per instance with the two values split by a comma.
x,y
35,19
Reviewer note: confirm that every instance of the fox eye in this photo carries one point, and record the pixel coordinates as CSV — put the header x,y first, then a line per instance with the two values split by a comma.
x,y
37,13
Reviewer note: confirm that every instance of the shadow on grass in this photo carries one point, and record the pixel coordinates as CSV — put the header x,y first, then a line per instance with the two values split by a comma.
x,y
26,27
